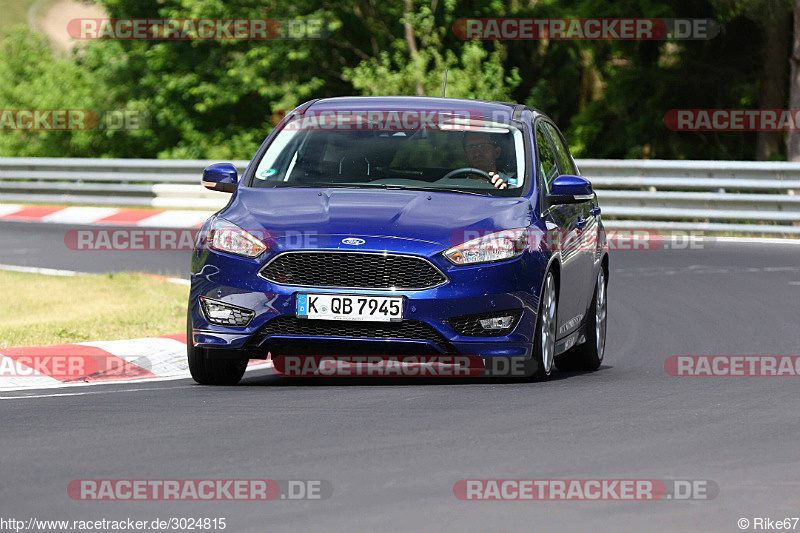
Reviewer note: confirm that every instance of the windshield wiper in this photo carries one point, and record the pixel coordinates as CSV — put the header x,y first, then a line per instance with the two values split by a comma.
x,y
386,186
300,185
391,187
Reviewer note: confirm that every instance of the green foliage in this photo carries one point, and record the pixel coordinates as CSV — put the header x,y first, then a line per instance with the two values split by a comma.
x,y
14,12
477,73
216,99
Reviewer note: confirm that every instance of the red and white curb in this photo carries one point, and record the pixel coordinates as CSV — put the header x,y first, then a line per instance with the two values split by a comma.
x,y
97,363
189,219
106,216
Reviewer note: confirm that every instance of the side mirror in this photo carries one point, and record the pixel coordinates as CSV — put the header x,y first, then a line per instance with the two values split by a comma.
x,y
568,189
220,177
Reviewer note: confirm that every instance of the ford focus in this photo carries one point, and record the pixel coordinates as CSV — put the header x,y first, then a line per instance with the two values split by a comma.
x,y
402,225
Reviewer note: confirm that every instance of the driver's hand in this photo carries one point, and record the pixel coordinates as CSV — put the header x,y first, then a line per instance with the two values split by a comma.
x,y
497,181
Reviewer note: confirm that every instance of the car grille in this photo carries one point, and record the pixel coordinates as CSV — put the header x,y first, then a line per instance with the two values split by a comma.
x,y
353,270
469,325
407,330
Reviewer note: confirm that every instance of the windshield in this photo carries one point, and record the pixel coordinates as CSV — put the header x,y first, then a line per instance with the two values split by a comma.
x,y
369,149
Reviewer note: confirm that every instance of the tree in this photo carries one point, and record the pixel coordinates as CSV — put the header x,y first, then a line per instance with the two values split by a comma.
x,y
408,70
34,77
216,99
794,91
774,21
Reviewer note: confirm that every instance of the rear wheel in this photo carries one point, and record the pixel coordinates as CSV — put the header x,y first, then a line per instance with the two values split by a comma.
x,y
544,342
211,371
589,355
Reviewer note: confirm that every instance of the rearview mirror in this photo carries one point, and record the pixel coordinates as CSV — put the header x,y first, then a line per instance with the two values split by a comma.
x,y
568,189
220,177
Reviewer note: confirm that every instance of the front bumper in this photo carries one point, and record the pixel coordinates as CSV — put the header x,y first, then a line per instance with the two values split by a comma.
x,y
426,327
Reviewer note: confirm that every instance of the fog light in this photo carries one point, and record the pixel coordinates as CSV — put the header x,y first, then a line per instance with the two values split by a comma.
x,y
217,312
494,324
500,322
222,314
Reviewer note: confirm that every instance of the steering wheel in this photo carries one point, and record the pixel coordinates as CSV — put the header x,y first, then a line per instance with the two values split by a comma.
x,y
468,170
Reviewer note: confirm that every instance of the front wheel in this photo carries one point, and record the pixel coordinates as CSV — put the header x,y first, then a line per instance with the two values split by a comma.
x,y
211,371
544,342
589,355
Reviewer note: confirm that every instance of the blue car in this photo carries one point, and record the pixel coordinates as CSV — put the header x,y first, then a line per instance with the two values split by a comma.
x,y
402,226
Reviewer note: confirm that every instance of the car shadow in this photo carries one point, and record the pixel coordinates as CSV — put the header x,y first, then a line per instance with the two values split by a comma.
x,y
274,380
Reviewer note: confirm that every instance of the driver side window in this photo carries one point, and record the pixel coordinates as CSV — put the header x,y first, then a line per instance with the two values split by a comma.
x,y
548,168
564,159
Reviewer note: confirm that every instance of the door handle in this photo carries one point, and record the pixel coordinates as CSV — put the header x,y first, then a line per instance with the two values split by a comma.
x,y
595,211
581,222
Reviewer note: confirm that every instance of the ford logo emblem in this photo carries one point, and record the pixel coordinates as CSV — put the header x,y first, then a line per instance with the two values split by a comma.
x,y
353,241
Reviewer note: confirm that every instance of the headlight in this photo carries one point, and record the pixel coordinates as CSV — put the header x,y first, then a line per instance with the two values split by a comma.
x,y
228,237
498,246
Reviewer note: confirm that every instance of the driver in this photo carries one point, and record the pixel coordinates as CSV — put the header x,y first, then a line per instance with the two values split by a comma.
x,y
481,151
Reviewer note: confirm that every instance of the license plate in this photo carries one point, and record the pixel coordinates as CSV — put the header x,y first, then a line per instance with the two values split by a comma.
x,y
350,307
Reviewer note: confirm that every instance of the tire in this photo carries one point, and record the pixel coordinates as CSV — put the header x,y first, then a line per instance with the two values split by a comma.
x,y
211,371
544,340
589,355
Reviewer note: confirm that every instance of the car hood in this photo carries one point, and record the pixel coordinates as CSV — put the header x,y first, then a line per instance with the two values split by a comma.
x,y
423,216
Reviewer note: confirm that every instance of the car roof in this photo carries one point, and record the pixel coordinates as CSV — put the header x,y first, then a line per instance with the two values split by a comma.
x,y
484,108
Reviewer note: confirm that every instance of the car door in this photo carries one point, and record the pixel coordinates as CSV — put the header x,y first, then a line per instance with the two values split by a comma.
x,y
586,223
561,223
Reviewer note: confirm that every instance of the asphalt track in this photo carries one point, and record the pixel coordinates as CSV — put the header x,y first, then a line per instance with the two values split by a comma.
x,y
42,245
393,450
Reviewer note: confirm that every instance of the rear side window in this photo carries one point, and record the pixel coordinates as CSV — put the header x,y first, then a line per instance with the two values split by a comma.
x,y
562,153
548,168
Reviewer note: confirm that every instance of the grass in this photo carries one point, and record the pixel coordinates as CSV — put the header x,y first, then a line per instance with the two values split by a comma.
x,y
44,310
16,11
